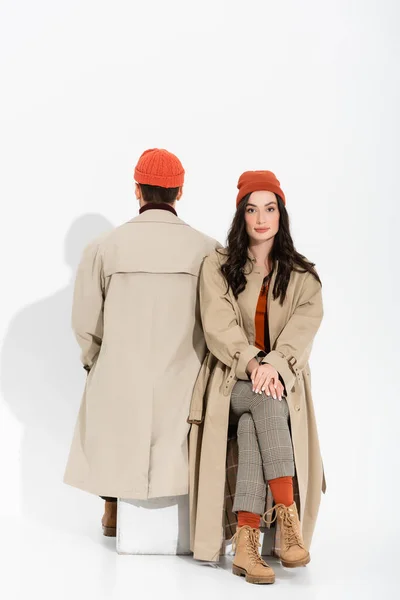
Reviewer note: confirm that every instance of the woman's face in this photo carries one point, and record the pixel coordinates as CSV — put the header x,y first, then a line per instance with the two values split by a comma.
x,y
262,216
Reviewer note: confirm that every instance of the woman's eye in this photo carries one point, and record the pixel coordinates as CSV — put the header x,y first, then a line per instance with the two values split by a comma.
x,y
271,208
250,210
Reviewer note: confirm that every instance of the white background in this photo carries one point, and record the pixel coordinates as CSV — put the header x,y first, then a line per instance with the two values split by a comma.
x,y
308,89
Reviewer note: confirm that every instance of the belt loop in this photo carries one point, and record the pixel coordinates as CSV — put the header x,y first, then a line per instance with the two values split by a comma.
x,y
231,375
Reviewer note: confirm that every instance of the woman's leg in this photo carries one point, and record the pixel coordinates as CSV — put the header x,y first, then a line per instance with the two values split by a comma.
x,y
249,503
250,483
271,422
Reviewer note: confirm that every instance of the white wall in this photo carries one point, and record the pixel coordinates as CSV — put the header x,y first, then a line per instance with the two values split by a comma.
x,y
307,89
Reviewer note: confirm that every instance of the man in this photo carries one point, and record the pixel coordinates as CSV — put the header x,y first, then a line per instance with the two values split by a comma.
x,y
136,318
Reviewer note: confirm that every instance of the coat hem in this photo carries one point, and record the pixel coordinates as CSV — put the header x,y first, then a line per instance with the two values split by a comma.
x,y
206,557
124,494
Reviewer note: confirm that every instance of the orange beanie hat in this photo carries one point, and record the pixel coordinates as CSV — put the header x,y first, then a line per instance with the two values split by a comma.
x,y
253,181
159,167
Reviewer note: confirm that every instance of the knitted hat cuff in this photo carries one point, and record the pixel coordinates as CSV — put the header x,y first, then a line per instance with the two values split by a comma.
x,y
256,186
170,181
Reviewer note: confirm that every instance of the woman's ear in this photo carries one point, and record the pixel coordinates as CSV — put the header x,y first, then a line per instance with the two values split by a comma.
x,y
179,196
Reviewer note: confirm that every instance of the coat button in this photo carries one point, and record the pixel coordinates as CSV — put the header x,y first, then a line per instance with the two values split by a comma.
x,y
297,407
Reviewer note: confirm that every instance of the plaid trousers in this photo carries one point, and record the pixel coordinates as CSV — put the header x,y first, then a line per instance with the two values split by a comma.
x,y
264,443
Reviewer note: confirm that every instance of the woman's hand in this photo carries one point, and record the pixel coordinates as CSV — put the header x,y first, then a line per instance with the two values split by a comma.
x,y
252,365
265,378
279,390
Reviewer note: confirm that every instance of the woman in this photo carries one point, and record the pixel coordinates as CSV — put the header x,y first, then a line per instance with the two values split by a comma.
x,y
261,307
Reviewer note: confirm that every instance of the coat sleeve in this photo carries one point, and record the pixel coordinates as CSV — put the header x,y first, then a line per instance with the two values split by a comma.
x,y
88,301
293,345
224,337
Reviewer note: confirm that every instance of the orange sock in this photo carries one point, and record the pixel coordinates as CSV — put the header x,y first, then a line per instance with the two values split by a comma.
x,y
282,490
248,518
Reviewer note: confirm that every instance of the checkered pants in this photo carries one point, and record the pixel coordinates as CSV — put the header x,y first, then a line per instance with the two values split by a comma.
x,y
264,442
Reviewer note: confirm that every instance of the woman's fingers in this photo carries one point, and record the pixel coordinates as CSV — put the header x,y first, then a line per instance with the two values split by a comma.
x,y
264,379
268,381
276,391
280,390
258,380
265,383
253,377
272,389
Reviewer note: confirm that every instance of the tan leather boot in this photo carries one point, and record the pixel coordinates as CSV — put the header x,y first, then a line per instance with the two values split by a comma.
x,y
109,520
247,561
293,552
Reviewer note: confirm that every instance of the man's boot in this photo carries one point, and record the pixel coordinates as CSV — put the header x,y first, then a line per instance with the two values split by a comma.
x,y
109,520
247,561
293,552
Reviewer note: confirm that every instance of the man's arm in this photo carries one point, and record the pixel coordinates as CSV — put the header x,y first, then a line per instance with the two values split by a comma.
x,y
88,301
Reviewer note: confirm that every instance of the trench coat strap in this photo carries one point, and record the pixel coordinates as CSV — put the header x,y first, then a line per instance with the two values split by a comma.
x,y
196,412
230,379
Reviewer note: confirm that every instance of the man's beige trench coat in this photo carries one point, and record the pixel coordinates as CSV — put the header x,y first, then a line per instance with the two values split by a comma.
x,y
229,332
136,318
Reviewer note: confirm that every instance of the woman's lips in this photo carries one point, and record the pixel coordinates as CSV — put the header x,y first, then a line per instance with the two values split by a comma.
x,y
261,230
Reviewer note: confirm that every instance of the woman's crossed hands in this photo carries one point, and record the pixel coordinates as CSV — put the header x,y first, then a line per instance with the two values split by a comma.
x,y
265,378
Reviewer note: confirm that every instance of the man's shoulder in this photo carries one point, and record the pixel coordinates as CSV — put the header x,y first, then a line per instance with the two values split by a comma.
x,y
98,242
217,257
209,243
195,240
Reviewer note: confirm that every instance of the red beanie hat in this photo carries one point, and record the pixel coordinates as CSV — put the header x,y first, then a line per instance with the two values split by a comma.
x,y
159,167
253,181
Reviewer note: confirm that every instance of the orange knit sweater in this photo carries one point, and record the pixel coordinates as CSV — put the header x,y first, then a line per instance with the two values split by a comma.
x,y
261,315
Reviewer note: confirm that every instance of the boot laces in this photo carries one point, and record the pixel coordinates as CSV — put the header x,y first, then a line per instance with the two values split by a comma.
x,y
252,544
290,529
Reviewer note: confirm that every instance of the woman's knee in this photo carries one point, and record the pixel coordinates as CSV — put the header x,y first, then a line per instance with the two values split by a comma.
x,y
246,424
241,396
272,406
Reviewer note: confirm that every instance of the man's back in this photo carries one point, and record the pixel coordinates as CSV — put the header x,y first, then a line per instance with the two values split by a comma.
x,y
136,317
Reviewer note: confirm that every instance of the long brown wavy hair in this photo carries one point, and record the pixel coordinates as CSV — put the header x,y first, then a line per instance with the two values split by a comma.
x,y
283,251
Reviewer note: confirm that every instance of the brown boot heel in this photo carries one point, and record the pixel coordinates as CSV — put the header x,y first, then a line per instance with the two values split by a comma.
x,y
259,580
293,552
110,531
238,571
248,562
252,578
297,563
109,520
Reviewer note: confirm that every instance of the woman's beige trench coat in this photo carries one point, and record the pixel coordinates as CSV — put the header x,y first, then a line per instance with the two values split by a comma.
x,y
135,314
229,332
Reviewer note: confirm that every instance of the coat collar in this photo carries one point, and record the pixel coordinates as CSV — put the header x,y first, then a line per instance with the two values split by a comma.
x,y
157,215
252,259
157,206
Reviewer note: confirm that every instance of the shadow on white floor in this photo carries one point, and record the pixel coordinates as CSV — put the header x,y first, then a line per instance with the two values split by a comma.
x,y
42,562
